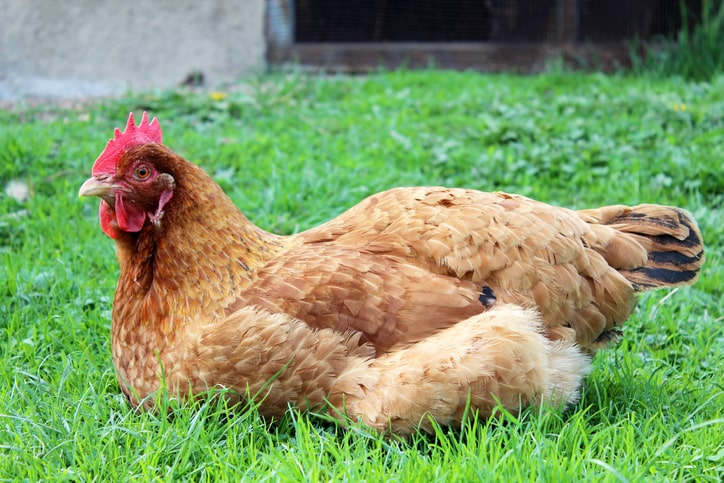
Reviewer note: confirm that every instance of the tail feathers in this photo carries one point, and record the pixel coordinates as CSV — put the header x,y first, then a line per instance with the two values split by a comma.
x,y
650,245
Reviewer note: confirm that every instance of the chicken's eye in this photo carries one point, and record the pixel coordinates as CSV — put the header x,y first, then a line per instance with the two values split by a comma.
x,y
142,172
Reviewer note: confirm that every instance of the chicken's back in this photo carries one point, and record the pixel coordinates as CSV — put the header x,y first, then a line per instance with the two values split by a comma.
x,y
423,243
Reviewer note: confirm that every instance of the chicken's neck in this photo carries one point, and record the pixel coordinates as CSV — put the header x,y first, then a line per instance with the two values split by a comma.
x,y
192,264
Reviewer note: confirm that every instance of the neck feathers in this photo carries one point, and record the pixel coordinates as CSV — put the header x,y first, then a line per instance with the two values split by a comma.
x,y
198,258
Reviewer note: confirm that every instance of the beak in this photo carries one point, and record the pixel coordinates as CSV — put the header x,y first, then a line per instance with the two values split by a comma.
x,y
100,187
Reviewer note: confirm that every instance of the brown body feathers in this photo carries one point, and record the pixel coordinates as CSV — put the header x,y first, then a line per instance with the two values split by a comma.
x,y
410,303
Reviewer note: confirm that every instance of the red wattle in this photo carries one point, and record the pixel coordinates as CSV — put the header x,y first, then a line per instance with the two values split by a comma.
x,y
108,221
129,217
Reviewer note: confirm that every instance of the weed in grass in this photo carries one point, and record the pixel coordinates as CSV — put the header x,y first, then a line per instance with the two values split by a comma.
x,y
695,53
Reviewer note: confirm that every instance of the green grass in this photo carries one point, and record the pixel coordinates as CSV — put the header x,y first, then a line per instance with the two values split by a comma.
x,y
695,53
293,151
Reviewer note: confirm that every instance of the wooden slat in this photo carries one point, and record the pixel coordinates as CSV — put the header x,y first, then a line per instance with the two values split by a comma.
x,y
483,56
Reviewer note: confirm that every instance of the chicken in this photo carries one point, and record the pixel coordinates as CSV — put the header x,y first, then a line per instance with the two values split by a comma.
x,y
414,303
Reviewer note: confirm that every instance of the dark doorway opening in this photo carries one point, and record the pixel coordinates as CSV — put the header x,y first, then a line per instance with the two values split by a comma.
x,y
486,20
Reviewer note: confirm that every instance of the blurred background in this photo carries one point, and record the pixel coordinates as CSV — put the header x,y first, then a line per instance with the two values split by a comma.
x,y
104,47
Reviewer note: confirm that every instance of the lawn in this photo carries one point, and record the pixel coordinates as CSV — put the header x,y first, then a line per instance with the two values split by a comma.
x,y
294,150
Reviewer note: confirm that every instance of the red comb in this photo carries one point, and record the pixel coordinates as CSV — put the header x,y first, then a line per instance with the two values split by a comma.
x,y
145,132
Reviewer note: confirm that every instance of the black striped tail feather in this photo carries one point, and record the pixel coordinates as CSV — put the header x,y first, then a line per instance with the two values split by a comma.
x,y
668,238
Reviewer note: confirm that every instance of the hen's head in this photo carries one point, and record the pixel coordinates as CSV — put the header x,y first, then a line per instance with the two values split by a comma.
x,y
132,178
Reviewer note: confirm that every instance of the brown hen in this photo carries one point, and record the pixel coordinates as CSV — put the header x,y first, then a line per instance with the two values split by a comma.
x,y
413,303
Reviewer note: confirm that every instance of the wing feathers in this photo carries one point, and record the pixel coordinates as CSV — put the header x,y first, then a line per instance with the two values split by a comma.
x,y
410,261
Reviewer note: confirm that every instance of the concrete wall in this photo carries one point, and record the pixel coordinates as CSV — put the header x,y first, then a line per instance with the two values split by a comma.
x,y
52,48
